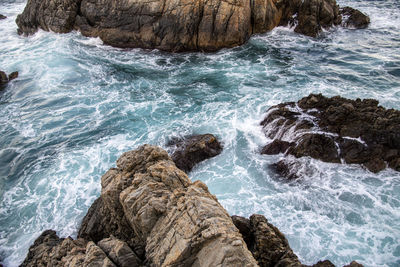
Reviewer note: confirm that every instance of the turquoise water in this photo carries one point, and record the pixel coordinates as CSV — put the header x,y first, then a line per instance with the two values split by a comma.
x,y
77,105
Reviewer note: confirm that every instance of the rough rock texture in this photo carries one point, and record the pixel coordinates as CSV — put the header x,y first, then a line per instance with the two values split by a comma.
x,y
336,130
180,25
49,15
268,245
191,150
4,79
314,15
353,18
179,222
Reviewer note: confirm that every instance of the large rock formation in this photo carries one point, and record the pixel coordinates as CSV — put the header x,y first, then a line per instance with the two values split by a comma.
x,y
335,130
148,203
182,25
150,214
190,150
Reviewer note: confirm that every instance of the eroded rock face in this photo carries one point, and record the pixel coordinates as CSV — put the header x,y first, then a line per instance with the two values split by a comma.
x,y
336,130
179,223
191,150
181,25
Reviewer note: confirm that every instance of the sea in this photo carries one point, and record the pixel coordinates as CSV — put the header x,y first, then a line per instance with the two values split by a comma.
x,y
78,104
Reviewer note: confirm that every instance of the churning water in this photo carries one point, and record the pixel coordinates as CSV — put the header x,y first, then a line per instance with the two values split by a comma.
x,y
77,105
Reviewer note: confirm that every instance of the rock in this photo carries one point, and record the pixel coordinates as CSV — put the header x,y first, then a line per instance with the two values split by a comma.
x,y
314,15
119,252
354,264
287,169
206,25
2,17
268,245
13,75
325,263
49,15
4,79
191,150
50,250
353,18
179,222
336,130
276,147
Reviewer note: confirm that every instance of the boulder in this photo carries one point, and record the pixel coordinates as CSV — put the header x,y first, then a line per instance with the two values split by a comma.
x,y
190,150
2,17
13,75
181,25
353,18
3,79
335,130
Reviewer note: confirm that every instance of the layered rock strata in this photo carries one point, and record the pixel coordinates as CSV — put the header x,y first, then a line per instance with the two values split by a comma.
x,y
335,130
182,25
188,151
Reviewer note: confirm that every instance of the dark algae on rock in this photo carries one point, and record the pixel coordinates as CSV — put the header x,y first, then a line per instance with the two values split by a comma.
x,y
182,25
335,130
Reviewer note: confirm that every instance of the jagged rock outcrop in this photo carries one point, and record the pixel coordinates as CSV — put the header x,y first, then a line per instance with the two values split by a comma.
x,y
335,130
182,25
178,221
190,150
268,245
4,79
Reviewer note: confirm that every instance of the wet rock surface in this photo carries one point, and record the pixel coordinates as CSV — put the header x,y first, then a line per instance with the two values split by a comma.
x,y
178,222
2,17
182,25
190,150
335,130
269,246
353,18
4,79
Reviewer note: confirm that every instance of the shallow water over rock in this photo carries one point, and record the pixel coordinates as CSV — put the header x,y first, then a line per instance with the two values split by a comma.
x,y
77,105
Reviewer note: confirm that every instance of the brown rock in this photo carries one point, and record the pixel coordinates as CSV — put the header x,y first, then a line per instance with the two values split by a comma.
x,y
353,18
314,15
191,150
13,75
354,264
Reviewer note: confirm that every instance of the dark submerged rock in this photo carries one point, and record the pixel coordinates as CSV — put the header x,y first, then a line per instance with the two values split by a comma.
x,y
337,129
191,150
353,18
2,17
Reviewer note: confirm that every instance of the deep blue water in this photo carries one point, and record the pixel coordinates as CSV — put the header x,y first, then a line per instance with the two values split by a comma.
x,y
77,105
